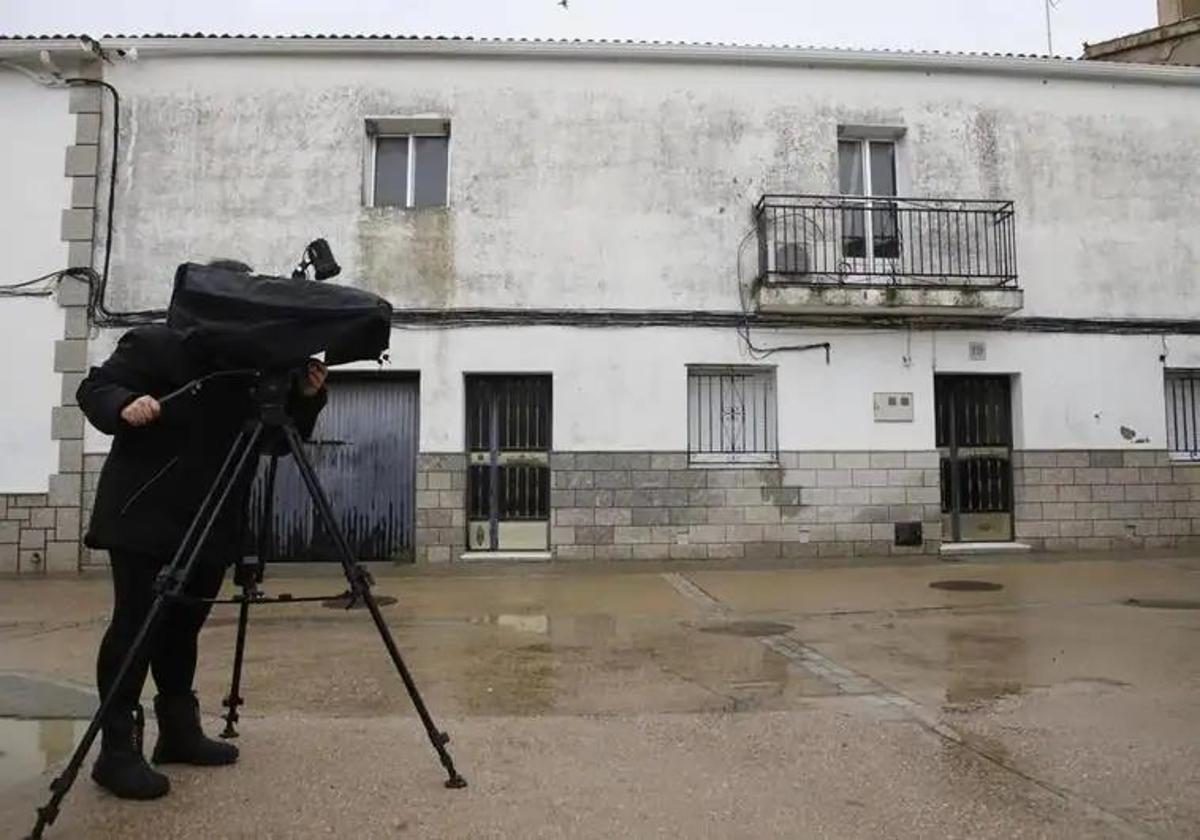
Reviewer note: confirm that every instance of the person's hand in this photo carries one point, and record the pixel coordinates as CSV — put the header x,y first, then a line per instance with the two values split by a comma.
x,y
145,409
314,378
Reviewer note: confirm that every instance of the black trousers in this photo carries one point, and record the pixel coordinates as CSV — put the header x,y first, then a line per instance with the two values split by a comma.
x,y
171,651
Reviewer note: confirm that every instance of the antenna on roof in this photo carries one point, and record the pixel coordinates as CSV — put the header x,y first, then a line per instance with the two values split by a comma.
x,y
1050,4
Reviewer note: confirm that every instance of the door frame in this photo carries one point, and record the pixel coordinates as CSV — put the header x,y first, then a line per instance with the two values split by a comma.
x,y
495,462
955,511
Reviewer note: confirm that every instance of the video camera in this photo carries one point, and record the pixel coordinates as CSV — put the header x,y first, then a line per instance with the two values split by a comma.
x,y
252,321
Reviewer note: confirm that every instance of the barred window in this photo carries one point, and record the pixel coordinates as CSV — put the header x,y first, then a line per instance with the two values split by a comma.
x,y
1183,417
731,415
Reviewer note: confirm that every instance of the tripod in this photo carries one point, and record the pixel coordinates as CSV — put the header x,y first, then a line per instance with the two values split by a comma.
x,y
270,397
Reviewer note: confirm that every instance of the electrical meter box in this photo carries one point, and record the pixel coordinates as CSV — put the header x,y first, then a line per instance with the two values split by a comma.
x,y
894,407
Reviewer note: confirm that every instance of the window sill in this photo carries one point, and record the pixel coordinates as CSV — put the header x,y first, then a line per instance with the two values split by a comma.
x,y
396,208
725,462
1184,458
512,556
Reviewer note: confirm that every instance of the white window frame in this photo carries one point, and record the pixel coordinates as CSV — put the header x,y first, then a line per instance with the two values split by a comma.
x,y
865,144
378,128
769,454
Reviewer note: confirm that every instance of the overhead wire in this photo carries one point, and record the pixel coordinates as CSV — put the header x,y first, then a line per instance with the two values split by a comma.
x,y
98,311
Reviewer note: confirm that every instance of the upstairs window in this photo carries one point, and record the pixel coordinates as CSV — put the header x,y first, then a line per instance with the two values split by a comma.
x,y
409,162
867,171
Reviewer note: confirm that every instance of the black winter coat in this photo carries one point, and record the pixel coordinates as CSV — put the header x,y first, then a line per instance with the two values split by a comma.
x,y
156,476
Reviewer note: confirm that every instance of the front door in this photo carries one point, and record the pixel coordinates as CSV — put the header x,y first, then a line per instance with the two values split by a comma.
x,y
508,462
974,438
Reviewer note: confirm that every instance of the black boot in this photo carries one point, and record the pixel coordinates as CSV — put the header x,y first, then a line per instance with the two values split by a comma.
x,y
121,768
180,738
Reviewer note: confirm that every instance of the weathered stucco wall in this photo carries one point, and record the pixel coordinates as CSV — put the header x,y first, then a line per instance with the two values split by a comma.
x,y
629,184
626,389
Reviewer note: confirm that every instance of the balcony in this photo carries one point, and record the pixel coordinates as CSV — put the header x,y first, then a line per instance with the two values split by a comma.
x,y
901,256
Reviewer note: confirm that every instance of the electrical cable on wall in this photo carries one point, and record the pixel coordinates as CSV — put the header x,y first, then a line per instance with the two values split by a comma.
x,y
98,312
26,288
101,315
744,324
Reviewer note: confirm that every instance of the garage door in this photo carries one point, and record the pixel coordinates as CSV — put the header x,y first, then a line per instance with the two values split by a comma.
x,y
364,450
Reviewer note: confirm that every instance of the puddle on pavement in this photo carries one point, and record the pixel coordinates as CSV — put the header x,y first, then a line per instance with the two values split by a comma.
x,y
342,602
29,748
751,629
536,624
1163,603
993,748
564,630
983,667
966,585
967,695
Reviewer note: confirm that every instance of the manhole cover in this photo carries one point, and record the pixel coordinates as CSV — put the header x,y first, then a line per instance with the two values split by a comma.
x,y
1164,603
749,628
339,603
966,585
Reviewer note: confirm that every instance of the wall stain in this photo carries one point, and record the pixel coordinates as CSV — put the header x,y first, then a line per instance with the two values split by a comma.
x,y
407,255
982,135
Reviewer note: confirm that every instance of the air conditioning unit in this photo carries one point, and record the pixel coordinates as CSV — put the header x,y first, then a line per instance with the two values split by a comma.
x,y
791,258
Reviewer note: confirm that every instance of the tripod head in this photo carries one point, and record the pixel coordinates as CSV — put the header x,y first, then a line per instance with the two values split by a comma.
x,y
270,394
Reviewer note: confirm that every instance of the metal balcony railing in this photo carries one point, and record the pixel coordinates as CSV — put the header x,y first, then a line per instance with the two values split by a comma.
x,y
815,239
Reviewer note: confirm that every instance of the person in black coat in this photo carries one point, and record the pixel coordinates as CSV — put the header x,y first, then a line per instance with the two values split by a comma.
x,y
162,462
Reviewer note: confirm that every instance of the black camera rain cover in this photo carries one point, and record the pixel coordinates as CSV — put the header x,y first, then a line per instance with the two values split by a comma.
x,y
256,321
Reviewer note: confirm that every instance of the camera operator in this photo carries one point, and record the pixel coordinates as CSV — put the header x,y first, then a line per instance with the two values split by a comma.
x,y
162,463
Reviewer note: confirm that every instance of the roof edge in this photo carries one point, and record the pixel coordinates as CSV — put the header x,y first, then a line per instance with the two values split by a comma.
x,y
632,51
17,47
1144,38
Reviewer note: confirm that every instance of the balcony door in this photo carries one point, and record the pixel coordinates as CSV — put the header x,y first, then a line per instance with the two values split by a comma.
x,y
867,171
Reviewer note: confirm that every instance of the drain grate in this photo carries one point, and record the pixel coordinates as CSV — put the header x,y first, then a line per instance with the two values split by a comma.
x,y
966,585
339,603
1163,603
752,629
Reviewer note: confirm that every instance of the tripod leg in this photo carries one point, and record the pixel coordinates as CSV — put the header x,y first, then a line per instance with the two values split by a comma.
x,y
173,577
234,698
360,586
248,576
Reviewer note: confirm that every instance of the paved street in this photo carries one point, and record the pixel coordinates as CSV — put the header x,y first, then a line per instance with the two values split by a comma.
x,y
680,701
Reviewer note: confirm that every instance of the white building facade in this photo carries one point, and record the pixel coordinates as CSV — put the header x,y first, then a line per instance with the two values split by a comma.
x,y
654,301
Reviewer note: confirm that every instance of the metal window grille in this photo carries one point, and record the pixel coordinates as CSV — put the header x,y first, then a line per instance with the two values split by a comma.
x,y
731,415
508,438
1183,416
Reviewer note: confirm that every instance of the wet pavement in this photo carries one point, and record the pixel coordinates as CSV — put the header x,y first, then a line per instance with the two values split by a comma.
x,y
685,700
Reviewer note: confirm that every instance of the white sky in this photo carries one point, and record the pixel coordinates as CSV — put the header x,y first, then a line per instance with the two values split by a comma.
x,y
987,25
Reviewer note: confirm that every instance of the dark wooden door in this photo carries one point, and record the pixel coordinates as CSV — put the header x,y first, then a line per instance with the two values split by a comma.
x,y
974,438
